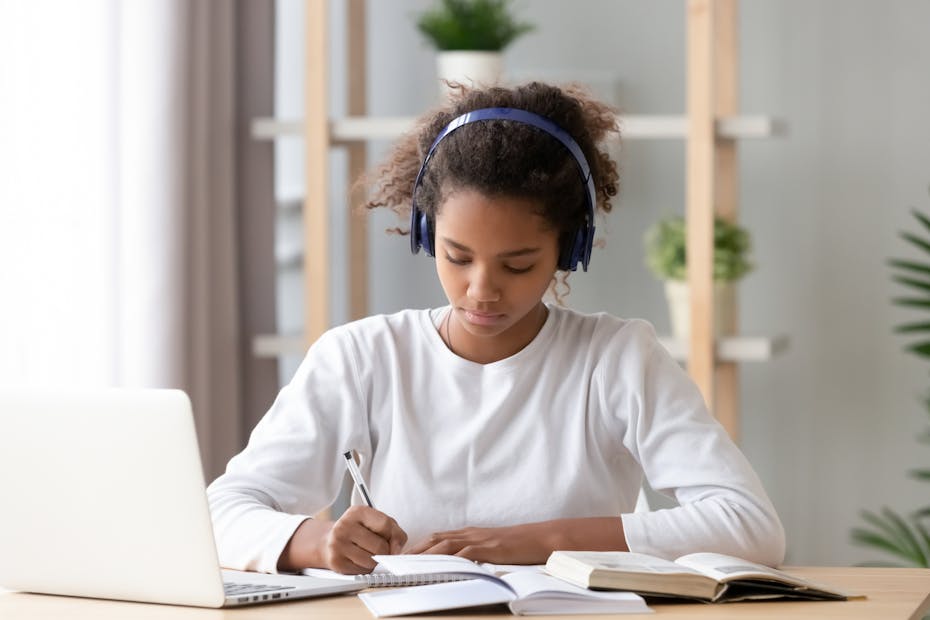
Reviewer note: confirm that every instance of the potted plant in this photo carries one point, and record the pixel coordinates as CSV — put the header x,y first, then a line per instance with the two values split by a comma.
x,y
470,36
666,258
906,537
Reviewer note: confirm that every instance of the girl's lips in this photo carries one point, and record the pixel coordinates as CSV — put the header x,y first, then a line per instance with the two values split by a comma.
x,y
482,318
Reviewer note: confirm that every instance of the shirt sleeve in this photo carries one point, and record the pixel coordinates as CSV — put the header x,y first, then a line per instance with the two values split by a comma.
x,y
685,453
292,466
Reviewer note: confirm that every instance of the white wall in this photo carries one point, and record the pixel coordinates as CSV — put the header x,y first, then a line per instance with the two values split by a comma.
x,y
830,425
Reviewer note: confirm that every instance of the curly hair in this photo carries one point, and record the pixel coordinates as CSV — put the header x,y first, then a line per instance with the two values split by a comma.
x,y
503,157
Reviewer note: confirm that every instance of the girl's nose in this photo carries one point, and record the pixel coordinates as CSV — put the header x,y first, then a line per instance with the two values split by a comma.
x,y
482,287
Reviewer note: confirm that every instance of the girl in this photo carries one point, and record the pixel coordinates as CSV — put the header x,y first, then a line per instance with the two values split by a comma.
x,y
499,427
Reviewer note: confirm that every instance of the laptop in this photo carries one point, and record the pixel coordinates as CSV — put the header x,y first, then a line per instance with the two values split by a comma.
x,y
103,496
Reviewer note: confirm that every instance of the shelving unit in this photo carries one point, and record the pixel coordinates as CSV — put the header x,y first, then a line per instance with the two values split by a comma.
x,y
633,127
711,128
735,349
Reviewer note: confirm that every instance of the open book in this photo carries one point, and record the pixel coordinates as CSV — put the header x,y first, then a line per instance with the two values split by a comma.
x,y
710,577
526,592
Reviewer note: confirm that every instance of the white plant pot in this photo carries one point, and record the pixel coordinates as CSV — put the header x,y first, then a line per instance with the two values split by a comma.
x,y
468,68
679,306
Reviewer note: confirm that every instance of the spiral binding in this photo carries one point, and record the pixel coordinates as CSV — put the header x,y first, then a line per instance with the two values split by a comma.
x,y
380,580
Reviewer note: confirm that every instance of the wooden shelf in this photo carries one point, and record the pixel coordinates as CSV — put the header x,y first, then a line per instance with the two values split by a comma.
x,y
276,345
637,127
735,349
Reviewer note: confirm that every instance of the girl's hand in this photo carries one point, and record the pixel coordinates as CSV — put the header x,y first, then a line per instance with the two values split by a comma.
x,y
529,543
346,545
518,544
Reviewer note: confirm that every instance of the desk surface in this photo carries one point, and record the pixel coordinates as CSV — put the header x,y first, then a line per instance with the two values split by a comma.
x,y
892,594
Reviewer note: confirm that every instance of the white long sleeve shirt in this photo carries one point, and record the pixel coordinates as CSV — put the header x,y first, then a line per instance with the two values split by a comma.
x,y
567,427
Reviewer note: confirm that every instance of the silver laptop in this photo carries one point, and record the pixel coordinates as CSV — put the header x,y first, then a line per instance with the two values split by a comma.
x,y
103,496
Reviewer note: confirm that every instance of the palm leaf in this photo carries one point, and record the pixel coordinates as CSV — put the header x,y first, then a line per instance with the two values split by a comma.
x,y
917,241
920,556
921,285
922,513
920,474
910,265
914,302
925,538
921,348
908,328
888,532
868,538
896,533
923,219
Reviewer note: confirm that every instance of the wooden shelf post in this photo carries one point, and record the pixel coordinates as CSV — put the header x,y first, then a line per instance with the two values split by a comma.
x,y
712,189
700,193
316,144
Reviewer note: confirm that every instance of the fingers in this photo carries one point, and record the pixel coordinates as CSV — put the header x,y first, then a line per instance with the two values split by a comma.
x,y
447,543
360,533
480,544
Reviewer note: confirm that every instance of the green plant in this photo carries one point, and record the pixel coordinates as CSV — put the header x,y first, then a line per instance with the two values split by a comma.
x,y
481,25
665,250
907,537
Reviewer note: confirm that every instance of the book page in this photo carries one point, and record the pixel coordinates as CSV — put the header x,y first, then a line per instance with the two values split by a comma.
x,y
628,561
539,593
505,569
437,597
726,568
408,564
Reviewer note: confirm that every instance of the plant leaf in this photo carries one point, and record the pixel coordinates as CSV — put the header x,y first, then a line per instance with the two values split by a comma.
x,y
910,265
921,285
907,535
908,328
890,531
917,241
868,538
887,531
921,218
920,474
925,539
921,348
914,302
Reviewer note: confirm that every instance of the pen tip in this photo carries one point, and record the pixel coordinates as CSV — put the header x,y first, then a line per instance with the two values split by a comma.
x,y
347,454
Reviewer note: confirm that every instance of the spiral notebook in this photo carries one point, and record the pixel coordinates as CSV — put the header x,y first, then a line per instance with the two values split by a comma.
x,y
381,577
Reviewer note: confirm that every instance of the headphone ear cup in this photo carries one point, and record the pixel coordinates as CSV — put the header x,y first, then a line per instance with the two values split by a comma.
x,y
427,241
577,249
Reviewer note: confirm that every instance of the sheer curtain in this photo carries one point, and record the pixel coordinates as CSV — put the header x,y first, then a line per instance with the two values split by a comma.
x,y
120,240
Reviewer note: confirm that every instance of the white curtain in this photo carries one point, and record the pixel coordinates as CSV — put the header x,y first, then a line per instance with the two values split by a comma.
x,y
118,216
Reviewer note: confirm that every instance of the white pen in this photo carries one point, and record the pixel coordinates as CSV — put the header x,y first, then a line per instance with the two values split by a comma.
x,y
357,477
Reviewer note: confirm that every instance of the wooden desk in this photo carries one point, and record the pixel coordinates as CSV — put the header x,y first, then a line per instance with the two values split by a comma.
x,y
893,593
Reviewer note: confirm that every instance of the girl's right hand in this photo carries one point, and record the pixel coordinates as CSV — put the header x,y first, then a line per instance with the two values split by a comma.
x,y
346,545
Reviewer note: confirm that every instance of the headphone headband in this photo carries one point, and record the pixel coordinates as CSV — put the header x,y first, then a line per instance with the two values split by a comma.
x,y
579,246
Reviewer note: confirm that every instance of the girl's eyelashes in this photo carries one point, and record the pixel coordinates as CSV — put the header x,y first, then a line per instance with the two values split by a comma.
x,y
466,261
457,261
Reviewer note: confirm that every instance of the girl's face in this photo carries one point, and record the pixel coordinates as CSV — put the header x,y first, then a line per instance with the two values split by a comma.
x,y
495,258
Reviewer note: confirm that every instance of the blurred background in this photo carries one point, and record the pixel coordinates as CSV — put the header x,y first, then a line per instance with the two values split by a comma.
x,y
148,236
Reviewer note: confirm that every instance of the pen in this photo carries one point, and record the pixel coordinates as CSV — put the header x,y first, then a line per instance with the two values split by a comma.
x,y
357,477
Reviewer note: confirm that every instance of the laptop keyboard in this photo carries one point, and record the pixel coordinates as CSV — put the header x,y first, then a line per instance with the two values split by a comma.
x,y
238,589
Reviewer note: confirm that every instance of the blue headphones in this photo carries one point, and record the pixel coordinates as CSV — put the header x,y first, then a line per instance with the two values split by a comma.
x,y
577,249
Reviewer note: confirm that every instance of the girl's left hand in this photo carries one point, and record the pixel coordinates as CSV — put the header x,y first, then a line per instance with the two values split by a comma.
x,y
518,544
528,543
